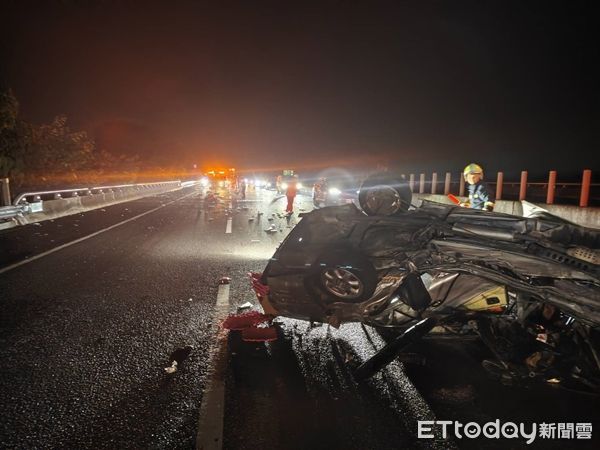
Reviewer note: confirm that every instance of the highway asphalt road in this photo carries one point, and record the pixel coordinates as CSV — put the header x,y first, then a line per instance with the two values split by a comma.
x,y
87,328
86,331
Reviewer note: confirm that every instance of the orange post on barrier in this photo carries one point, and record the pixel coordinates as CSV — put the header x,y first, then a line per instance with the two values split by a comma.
x,y
499,181
586,181
551,187
523,187
447,183
433,182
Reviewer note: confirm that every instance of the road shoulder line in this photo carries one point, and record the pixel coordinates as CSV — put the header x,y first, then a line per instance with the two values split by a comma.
x,y
212,409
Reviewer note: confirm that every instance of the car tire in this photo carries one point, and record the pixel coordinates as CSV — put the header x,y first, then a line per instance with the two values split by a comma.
x,y
346,276
382,195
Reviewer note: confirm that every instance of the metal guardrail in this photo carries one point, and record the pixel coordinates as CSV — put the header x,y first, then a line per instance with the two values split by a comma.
x,y
34,197
31,202
8,212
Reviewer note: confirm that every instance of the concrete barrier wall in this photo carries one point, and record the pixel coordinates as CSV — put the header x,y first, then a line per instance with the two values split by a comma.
x,y
588,217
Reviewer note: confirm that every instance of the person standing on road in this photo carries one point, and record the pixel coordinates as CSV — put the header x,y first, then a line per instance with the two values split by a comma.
x,y
243,188
480,196
320,192
290,193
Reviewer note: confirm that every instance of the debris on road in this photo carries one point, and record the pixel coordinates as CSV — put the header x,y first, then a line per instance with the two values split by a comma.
x,y
177,357
255,326
245,306
245,320
276,198
264,334
172,368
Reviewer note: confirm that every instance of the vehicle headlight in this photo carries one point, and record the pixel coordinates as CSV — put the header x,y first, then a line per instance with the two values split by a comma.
x,y
334,191
283,185
204,182
221,184
299,185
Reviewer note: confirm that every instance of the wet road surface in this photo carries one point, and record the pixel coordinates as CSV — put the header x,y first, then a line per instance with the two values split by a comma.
x,y
86,333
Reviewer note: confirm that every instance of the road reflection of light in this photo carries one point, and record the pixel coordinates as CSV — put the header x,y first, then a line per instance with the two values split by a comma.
x,y
254,253
206,247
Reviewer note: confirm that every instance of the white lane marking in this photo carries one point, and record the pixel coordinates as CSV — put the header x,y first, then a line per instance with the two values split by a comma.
x,y
81,239
212,410
228,227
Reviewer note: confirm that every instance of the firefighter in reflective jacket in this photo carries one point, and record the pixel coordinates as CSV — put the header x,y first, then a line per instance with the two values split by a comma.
x,y
480,196
290,193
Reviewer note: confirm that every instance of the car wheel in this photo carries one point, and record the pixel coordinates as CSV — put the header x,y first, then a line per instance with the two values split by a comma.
x,y
382,195
344,276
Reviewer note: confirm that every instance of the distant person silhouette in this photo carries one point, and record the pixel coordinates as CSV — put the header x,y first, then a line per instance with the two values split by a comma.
x,y
290,193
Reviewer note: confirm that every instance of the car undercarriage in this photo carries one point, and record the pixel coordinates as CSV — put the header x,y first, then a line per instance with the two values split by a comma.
x,y
533,283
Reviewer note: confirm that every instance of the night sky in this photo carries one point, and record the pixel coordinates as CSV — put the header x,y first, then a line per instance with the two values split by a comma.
x,y
423,85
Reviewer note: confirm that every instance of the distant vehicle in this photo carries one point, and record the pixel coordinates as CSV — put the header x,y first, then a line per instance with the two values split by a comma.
x,y
220,178
529,288
257,181
287,177
334,191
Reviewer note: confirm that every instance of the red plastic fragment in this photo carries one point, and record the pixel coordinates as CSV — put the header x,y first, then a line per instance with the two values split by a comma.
x,y
266,334
245,320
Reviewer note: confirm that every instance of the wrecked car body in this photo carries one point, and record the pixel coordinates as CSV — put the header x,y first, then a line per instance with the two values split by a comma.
x,y
450,269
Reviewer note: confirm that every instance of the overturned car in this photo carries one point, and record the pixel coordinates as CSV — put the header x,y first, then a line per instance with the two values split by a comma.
x,y
528,287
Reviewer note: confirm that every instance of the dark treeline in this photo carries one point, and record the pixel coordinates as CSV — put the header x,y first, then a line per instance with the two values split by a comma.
x,y
52,155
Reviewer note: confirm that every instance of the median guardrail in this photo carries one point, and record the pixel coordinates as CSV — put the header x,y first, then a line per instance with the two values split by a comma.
x,y
30,207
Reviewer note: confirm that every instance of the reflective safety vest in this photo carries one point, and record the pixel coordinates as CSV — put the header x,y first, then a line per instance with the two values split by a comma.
x,y
479,196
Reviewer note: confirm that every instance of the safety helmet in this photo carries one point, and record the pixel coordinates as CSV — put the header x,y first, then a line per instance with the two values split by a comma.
x,y
473,168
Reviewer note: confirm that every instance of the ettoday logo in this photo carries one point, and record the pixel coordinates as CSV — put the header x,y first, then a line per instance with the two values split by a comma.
x,y
507,430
